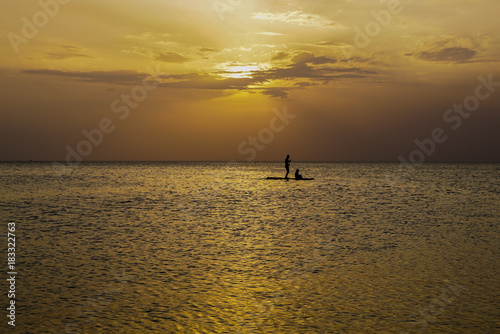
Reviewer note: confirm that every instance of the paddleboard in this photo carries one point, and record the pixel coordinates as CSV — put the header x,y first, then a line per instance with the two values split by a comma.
x,y
290,178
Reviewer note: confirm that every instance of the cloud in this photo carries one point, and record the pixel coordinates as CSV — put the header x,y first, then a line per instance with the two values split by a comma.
x,y
302,66
206,81
450,49
67,51
307,66
452,54
309,58
277,92
166,57
280,56
112,77
65,55
304,84
268,33
296,17
305,69
202,49
184,81
327,43
314,69
171,57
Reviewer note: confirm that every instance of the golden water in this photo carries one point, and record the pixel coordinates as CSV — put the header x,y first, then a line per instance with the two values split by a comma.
x,y
215,248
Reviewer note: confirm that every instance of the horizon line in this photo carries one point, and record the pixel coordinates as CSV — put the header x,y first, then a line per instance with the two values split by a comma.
x,y
248,162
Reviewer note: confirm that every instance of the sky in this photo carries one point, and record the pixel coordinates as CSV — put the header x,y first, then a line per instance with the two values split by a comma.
x,y
249,80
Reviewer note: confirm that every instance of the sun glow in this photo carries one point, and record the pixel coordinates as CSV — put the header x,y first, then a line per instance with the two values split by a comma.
x,y
239,70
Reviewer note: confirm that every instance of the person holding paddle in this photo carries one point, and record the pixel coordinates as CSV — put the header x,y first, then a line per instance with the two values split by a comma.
x,y
287,165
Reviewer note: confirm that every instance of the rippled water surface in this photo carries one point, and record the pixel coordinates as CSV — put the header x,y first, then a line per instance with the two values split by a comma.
x,y
216,248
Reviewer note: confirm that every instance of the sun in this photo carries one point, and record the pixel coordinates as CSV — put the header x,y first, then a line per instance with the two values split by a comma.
x,y
239,71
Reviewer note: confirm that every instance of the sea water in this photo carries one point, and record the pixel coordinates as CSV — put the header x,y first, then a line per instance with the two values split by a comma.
x,y
217,248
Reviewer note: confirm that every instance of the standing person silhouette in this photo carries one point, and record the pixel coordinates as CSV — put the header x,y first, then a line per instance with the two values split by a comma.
x,y
287,165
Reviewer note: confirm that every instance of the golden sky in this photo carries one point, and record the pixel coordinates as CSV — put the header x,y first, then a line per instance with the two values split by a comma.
x,y
248,80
